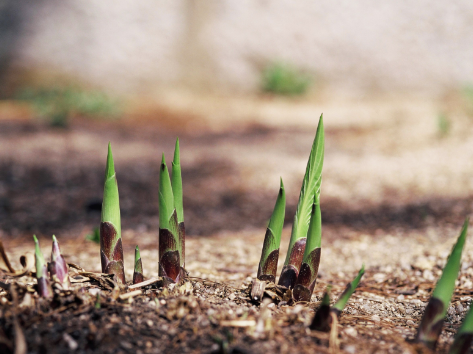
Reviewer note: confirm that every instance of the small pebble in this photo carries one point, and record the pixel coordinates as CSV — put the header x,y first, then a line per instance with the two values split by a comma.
x,y
375,318
410,323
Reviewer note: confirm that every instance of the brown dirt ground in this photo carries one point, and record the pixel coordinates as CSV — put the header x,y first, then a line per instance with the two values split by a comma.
x,y
394,196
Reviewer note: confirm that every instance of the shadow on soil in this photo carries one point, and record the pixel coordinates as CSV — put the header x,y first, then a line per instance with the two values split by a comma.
x,y
67,200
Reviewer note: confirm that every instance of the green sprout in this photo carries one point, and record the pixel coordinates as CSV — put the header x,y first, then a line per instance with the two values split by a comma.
x,y
170,236
309,191
44,288
94,236
111,249
269,256
176,184
310,263
436,310
138,270
462,342
323,317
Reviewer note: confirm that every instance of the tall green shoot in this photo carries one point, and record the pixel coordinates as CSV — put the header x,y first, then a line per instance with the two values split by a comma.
x,y
270,254
310,186
111,249
170,251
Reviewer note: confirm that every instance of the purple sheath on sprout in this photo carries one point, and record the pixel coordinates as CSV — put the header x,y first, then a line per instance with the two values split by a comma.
x,y
58,266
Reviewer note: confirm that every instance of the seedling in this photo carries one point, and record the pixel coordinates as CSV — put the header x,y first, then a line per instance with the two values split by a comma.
x,y
323,317
436,310
269,256
58,266
310,264
310,187
111,249
171,233
138,271
44,288
464,336
176,183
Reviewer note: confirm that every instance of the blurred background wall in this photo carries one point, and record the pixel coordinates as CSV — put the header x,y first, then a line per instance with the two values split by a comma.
x,y
140,46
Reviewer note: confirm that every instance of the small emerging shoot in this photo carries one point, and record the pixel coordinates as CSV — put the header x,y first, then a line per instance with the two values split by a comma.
x,y
436,310
111,249
138,271
464,336
310,186
348,292
58,266
170,252
44,288
323,317
269,256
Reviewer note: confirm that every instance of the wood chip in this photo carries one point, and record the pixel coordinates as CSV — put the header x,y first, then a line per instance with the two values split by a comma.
x,y
236,323
145,283
130,295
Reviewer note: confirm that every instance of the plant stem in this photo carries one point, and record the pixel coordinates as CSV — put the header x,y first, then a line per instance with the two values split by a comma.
x,y
138,270
44,288
176,183
436,310
111,248
169,236
270,254
310,187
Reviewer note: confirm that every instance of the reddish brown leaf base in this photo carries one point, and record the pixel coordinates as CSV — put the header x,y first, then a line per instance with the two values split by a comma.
x,y
428,331
137,278
290,271
462,344
112,260
306,280
169,266
323,320
270,267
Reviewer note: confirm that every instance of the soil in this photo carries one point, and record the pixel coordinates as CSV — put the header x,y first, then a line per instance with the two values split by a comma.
x,y
394,196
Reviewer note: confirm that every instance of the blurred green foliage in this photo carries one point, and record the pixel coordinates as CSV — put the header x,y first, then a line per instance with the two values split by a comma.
x,y
284,79
443,125
94,236
59,104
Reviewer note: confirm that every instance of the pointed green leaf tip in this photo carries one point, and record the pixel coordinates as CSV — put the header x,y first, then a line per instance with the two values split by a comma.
x,y
276,222
446,284
177,184
111,202
326,297
40,262
310,189
166,197
54,238
137,254
350,289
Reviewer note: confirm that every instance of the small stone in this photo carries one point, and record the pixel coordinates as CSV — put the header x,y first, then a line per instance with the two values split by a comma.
x,y
375,318
272,306
232,296
460,308
410,323
402,309
350,349
351,331
400,298
451,311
